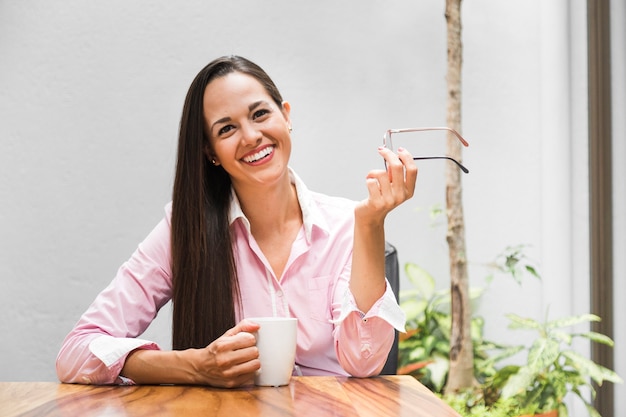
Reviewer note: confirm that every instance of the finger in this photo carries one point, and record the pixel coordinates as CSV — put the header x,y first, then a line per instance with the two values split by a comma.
x,y
237,374
229,351
244,325
241,340
396,167
391,159
378,184
393,186
404,172
410,170
406,158
243,372
386,153
373,189
239,357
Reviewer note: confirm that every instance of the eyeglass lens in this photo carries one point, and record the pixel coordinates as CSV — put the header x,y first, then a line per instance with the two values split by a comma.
x,y
388,144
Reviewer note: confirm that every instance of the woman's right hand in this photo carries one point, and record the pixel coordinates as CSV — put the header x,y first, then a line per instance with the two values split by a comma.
x,y
230,360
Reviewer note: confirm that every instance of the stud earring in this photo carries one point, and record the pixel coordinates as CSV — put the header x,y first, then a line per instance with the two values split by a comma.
x,y
213,161
290,129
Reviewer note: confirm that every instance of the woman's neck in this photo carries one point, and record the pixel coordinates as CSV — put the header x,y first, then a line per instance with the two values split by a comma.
x,y
275,219
272,209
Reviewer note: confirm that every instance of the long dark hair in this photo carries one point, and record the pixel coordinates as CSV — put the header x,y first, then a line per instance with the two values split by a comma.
x,y
204,274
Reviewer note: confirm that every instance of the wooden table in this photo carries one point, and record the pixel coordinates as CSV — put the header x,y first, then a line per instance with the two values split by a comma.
x,y
304,396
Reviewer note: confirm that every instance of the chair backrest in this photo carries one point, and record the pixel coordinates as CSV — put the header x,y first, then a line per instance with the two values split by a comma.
x,y
392,271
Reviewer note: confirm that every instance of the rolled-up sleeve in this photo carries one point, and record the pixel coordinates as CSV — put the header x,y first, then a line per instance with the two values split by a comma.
x,y
363,340
95,350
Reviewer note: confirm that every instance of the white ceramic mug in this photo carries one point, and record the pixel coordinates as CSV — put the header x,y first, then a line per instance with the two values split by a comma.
x,y
276,341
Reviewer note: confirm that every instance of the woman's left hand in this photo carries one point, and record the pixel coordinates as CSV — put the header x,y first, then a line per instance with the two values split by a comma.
x,y
388,188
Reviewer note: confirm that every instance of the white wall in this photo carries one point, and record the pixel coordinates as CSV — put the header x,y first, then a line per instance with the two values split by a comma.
x,y
90,100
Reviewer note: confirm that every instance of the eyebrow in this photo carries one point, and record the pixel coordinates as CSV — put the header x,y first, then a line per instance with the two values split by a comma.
x,y
251,107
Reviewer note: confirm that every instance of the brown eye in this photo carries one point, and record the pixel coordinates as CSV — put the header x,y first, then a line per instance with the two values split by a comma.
x,y
225,129
260,113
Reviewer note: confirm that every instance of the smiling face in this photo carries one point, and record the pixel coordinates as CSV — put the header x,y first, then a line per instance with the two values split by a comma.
x,y
248,132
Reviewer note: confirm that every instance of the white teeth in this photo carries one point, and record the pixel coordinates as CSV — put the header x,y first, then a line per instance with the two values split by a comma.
x,y
261,154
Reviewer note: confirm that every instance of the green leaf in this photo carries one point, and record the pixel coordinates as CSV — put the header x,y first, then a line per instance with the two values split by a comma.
x,y
438,371
562,336
542,354
418,354
597,337
441,300
503,374
504,354
570,321
518,322
476,329
442,346
445,324
587,367
409,293
532,271
421,280
413,309
517,383
436,211
592,411
429,343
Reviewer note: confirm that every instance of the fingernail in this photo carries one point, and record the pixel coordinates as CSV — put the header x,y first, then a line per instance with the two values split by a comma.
x,y
400,149
380,148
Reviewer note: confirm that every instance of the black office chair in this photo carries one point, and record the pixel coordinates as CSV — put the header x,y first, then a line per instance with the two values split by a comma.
x,y
392,271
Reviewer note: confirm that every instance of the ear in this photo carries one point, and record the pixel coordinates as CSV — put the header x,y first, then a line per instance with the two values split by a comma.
x,y
211,155
286,111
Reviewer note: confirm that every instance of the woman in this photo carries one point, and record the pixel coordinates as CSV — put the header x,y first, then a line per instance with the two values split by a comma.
x,y
244,237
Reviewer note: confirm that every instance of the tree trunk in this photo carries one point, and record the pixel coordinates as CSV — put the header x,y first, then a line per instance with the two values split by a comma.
x,y
461,351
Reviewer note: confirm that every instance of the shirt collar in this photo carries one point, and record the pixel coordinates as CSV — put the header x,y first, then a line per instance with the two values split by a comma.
x,y
311,216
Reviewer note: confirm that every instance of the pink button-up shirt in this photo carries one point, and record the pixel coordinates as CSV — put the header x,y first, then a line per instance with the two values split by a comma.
x,y
334,337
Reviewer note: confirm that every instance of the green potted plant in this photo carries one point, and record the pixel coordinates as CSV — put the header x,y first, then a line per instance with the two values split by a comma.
x,y
552,368
424,348
538,386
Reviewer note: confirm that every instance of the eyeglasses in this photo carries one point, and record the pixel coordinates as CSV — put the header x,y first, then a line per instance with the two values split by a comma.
x,y
387,143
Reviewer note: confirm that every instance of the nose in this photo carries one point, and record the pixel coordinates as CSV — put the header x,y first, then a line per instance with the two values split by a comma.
x,y
250,135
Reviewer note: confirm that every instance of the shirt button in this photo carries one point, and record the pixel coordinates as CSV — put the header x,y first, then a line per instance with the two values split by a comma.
x,y
279,293
366,350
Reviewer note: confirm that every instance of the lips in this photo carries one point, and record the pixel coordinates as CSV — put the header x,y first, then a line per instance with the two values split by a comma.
x,y
258,155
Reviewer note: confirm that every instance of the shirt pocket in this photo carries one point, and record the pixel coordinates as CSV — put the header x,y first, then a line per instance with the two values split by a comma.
x,y
319,300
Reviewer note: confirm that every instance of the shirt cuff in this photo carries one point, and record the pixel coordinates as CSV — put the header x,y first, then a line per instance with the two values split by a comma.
x,y
111,349
386,308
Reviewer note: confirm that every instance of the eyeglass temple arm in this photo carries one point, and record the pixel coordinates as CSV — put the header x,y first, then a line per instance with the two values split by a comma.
x,y
387,136
415,158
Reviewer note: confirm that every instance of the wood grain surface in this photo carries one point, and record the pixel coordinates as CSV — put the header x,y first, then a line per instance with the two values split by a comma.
x,y
304,396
